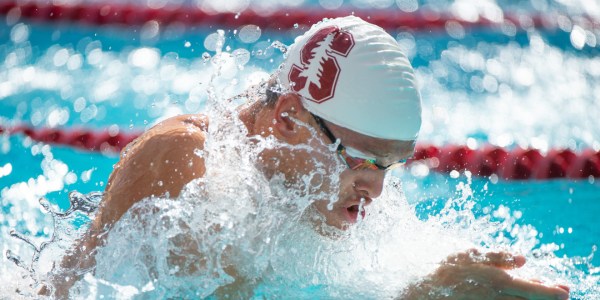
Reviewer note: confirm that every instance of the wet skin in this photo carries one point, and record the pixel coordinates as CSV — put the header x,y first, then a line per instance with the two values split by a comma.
x,y
162,161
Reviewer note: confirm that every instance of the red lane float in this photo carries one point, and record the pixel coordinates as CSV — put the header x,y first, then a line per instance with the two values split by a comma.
x,y
390,19
103,141
516,164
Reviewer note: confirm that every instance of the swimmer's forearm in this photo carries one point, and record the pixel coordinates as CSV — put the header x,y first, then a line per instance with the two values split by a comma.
x,y
73,265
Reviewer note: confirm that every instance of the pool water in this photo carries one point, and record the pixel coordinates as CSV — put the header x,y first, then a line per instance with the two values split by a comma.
x,y
479,86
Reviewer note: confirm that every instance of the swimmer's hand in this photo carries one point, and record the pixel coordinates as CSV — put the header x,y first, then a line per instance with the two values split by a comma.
x,y
472,275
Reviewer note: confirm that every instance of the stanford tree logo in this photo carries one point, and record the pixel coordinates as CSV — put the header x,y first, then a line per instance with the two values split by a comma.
x,y
319,72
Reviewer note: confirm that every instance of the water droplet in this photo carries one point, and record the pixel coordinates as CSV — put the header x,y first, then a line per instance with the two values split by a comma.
x,y
279,46
19,33
15,259
213,41
241,56
205,57
249,33
187,44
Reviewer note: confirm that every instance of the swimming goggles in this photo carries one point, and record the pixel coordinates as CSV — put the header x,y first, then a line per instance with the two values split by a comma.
x,y
355,163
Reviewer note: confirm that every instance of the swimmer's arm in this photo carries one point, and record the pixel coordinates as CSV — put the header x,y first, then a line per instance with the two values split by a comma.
x,y
474,275
159,162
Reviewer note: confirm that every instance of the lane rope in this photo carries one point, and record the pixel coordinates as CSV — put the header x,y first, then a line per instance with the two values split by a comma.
x,y
513,164
104,141
389,19
508,164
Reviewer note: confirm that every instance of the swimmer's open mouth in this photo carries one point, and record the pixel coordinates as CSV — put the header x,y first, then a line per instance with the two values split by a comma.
x,y
353,212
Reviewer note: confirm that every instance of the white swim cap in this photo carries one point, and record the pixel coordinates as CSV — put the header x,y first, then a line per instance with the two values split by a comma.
x,y
353,74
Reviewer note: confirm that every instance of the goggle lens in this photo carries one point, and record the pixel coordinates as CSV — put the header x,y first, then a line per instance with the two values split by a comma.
x,y
356,163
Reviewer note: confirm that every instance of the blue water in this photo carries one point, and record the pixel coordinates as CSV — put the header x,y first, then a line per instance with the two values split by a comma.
x,y
547,205
563,212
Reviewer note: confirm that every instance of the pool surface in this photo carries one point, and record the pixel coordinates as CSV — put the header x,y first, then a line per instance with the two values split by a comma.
x,y
502,85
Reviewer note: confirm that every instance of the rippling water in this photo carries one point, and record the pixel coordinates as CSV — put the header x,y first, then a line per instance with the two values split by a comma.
x,y
508,87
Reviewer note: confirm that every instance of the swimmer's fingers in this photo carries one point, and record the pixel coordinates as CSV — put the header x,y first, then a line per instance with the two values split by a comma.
x,y
531,290
479,281
503,260
561,286
564,287
463,258
507,286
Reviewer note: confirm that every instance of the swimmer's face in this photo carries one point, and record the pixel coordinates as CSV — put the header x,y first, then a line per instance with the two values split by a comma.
x,y
360,187
347,188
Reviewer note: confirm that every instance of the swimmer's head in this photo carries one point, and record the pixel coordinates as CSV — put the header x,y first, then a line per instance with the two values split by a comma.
x,y
354,74
344,80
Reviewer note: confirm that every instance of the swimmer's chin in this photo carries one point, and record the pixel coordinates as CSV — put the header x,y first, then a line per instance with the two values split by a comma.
x,y
333,232
313,218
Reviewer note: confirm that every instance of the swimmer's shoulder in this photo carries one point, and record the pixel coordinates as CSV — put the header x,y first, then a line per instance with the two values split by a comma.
x,y
194,125
189,121
183,130
169,145
159,162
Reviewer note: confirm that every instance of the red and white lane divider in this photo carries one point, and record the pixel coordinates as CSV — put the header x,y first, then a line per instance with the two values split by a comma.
x,y
516,164
390,19
104,141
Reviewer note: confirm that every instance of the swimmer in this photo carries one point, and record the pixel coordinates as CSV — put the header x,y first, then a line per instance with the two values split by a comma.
x,y
348,81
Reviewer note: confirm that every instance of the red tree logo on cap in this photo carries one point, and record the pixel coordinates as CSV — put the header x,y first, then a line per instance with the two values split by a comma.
x,y
319,72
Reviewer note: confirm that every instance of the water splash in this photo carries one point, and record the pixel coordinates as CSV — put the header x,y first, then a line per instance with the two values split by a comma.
x,y
238,217
82,208
280,46
206,57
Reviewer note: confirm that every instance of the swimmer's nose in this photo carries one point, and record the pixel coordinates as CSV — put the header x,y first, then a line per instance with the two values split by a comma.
x,y
369,183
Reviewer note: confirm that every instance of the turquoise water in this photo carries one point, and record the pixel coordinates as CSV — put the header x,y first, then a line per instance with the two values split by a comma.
x,y
481,86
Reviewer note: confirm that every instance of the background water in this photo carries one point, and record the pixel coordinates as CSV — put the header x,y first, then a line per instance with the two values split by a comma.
x,y
504,85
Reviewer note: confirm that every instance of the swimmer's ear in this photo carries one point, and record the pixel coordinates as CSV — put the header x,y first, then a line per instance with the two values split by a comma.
x,y
288,111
